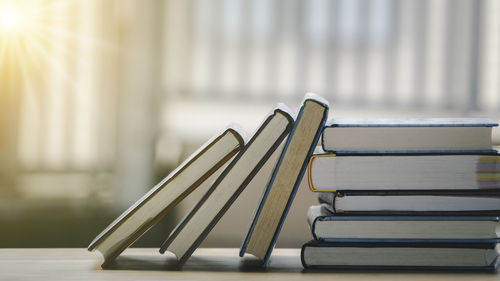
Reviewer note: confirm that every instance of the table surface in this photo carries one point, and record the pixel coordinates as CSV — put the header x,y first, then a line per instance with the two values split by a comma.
x,y
205,264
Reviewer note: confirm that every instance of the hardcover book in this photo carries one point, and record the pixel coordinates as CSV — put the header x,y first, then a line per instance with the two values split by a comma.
x,y
410,135
144,213
331,172
193,229
412,202
400,255
326,226
286,177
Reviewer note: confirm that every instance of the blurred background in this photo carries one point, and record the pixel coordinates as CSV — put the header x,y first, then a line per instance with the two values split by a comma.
x,y
99,100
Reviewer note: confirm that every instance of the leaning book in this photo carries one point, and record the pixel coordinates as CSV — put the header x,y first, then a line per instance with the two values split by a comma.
x,y
193,229
281,188
149,209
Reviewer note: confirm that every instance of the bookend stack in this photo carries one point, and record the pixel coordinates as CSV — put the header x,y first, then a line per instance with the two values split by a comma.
x,y
394,196
408,193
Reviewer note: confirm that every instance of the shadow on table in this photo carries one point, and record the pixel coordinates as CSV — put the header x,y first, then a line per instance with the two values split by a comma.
x,y
290,264
205,263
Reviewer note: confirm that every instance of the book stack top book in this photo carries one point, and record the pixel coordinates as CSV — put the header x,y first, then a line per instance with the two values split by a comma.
x,y
408,135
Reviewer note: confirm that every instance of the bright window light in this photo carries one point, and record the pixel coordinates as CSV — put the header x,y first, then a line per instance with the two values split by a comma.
x,y
10,18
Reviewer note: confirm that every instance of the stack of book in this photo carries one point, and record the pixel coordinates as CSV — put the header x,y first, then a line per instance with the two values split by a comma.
x,y
419,193
405,194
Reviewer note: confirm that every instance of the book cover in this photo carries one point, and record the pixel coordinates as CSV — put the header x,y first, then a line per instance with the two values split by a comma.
x,y
410,122
412,202
331,172
428,256
329,227
408,135
286,177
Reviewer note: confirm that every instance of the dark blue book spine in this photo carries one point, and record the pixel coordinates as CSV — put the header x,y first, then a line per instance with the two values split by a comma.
x,y
409,152
410,240
480,245
408,218
411,122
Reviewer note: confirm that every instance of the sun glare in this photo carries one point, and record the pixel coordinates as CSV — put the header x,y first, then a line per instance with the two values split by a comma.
x,y
18,25
38,37
34,35
10,18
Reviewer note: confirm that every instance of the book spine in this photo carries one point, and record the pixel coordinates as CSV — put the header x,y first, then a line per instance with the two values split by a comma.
x,y
490,268
411,122
430,243
269,185
409,218
409,152
433,192
300,176
477,213
409,240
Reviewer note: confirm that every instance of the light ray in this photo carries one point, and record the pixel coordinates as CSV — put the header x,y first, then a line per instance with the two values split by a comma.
x,y
78,38
52,6
31,56
53,45
64,53
41,33
48,43
46,24
53,64
3,51
22,63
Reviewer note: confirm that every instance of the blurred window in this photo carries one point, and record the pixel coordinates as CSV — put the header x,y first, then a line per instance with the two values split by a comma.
x,y
438,56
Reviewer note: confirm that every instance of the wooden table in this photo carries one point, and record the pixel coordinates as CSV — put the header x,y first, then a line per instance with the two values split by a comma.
x,y
205,264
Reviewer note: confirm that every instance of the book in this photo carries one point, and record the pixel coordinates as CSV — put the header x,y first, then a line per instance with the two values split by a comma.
x,y
330,172
196,225
415,135
412,202
149,209
400,255
329,227
285,179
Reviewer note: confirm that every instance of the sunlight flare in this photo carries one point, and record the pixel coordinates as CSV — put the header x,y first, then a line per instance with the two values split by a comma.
x,y
42,36
10,18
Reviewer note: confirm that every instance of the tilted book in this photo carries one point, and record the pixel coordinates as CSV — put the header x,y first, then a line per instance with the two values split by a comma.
x,y
326,226
410,135
285,179
400,256
331,172
149,209
193,229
